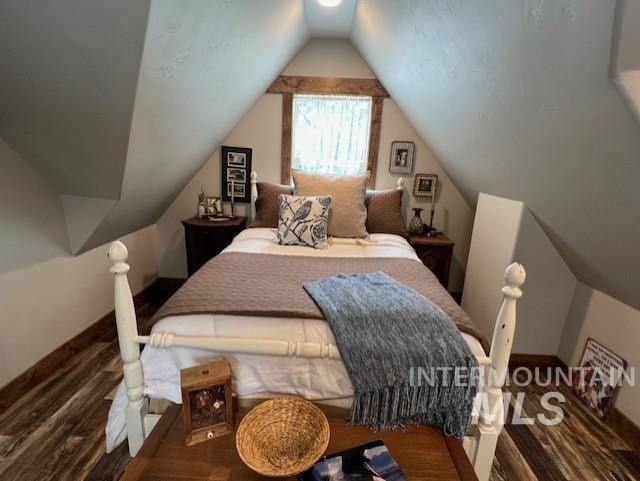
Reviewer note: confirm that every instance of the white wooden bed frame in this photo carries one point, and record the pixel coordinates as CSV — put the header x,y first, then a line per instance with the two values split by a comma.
x,y
480,446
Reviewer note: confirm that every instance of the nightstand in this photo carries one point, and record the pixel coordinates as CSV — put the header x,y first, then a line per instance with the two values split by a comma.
x,y
435,253
206,238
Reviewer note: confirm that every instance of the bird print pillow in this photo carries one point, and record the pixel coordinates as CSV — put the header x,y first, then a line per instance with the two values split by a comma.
x,y
303,220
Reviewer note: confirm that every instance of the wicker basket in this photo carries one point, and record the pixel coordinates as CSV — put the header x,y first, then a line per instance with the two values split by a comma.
x,y
282,437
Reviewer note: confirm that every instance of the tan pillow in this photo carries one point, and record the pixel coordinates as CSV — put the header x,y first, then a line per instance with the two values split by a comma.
x,y
348,214
384,212
267,204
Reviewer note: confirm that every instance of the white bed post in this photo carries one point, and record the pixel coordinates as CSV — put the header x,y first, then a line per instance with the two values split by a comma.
x,y
400,183
491,421
254,193
129,348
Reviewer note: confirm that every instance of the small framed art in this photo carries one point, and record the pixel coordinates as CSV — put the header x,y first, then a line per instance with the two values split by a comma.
x,y
402,154
425,185
235,171
213,206
598,380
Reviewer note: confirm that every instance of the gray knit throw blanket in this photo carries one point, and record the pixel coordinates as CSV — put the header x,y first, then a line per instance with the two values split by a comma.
x,y
383,329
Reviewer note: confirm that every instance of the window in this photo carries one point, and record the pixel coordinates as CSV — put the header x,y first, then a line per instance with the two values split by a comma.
x,y
331,133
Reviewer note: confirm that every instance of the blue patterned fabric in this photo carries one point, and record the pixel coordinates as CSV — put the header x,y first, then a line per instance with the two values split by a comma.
x,y
303,220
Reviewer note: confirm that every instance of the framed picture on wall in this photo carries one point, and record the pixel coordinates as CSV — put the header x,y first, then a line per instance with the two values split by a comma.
x,y
402,154
235,165
425,185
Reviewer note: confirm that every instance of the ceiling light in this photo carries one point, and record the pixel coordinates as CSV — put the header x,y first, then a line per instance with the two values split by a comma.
x,y
329,3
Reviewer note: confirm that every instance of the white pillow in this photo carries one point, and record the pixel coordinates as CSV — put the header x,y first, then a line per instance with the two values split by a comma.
x,y
303,220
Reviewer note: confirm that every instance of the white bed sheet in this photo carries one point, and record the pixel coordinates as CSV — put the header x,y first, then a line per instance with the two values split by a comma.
x,y
257,376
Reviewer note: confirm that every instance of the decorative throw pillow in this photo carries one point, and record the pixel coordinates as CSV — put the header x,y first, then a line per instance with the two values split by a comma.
x,y
384,212
267,204
348,214
303,220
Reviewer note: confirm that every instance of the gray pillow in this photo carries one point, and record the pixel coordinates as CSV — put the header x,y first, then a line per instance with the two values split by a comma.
x,y
267,204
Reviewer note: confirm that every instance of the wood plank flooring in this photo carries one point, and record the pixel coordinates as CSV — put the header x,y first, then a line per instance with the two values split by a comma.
x,y
56,431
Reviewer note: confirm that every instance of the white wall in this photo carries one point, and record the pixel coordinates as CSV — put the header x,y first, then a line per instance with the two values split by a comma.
x,y
260,129
504,232
47,296
495,233
613,324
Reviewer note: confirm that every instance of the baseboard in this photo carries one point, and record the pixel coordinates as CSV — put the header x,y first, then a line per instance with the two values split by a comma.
x,y
620,424
624,427
533,360
103,330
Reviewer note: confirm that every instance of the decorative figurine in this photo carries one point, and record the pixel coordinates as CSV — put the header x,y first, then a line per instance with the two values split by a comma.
x,y
201,201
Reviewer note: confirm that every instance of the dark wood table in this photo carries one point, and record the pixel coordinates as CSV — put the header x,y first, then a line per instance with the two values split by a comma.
x,y
205,239
436,253
423,454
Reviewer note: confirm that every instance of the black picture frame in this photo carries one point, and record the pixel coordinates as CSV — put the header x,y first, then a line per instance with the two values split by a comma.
x,y
235,163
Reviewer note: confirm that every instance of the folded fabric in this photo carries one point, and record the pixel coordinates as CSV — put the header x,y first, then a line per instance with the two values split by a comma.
x,y
385,331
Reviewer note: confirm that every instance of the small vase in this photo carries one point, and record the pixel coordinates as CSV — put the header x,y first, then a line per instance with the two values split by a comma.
x,y
416,226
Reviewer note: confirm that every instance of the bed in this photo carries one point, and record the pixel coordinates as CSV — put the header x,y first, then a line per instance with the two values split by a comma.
x,y
276,355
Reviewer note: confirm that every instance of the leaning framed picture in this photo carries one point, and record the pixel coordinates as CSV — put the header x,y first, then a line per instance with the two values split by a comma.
x,y
598,380
425,185
235,165
402,154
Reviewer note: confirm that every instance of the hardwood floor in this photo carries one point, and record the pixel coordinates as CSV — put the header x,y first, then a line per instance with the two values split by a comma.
x,y
56,431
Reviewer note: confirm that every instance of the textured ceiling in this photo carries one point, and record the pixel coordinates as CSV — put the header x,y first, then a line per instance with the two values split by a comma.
x,y
119,103
67,87
204,65
514,97
332,22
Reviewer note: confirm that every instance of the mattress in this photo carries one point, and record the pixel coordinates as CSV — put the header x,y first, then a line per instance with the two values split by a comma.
x,y
256,376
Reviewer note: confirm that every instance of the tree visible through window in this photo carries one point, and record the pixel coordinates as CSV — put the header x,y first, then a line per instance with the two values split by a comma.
x,y
331,133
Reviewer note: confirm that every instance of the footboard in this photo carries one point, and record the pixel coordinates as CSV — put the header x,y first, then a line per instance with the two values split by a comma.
x,y
480,447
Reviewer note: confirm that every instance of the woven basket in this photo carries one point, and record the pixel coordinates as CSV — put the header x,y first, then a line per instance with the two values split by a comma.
x,y
282,437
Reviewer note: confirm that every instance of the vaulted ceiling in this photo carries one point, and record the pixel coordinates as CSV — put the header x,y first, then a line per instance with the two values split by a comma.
x,y
119,103
515,99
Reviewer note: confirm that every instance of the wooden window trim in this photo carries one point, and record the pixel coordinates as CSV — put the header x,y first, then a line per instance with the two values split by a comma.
x,y
287,139
296,84
288,85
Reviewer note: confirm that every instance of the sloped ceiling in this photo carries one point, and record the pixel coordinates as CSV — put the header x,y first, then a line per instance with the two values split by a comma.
x,y
204,65
119,103
68,77
514,97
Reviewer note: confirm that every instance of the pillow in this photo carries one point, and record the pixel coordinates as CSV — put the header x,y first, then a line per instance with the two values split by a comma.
x,y
267,204
384,212
348,214
303,220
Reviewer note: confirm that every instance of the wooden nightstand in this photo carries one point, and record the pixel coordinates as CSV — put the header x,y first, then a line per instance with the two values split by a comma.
x,y
205,238
435,253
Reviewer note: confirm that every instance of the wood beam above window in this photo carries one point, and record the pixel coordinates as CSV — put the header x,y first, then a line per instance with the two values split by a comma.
x,y
294,84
